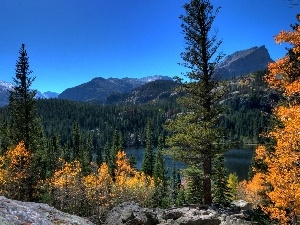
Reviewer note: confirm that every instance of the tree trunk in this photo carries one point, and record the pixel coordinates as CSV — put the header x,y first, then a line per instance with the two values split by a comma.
x,y
207,181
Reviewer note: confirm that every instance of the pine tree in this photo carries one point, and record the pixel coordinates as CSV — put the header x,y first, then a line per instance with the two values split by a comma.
x,y
4,136
233,184
77,148
117,146
195,136
221,192
160,172
22,106
160,175
25,126
195,191
175,183
148,161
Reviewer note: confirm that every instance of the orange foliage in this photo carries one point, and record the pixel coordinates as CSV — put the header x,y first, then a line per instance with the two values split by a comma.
x,y
14,172
66,186
280,72
97,190
251,191
98,186
131,185
281,184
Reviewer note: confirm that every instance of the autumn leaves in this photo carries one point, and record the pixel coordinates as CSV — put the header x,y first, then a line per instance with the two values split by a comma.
x,y
275,186
73,192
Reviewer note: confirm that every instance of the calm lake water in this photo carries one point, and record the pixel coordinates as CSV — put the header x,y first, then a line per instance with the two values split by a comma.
x,y
236,160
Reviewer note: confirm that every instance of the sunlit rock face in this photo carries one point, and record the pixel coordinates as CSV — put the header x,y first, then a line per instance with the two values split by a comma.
x,y
15,212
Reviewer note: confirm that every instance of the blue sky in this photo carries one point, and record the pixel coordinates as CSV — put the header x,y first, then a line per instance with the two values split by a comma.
x,y
69,42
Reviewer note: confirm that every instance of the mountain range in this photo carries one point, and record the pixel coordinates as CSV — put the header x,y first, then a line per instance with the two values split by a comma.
x,y
141,90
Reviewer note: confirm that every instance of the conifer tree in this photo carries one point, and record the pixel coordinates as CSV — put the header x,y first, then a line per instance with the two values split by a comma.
x,y
22,103
233,184
77,148
160,174
117,146
194,136
221,191
148,161
25,126
175,183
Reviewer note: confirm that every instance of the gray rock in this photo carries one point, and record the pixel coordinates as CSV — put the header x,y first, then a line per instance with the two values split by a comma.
x,y
243,205
131,213
15,212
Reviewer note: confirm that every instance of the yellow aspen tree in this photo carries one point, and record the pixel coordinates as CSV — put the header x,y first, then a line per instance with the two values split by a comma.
x,y
18,172
131,185
66,187
3,177
97,187
281,182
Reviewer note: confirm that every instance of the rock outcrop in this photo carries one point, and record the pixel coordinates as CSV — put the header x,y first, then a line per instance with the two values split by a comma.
x,y
130,213
15,212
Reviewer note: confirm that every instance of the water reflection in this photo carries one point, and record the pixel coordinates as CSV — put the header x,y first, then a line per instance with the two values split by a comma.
x,y
236,160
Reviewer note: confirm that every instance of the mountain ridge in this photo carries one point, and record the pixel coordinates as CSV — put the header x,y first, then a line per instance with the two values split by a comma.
x,y
99,88
114,90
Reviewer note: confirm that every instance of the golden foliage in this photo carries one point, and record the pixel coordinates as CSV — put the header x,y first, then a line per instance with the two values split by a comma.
x,y
281,72
131,185
97,186
280,185
15,171
66,186
252,190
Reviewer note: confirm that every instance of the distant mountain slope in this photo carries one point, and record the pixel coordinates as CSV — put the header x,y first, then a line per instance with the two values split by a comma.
x,y
154,91
5,87
244,62
98,89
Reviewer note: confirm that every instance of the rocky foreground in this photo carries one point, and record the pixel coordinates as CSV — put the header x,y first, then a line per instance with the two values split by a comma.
x,y
130,213
16,213
29,213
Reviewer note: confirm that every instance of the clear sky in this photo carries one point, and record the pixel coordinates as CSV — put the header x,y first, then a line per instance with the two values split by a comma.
x,y
69,42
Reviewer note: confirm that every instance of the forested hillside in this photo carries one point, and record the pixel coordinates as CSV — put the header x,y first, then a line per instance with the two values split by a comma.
x,y
248,103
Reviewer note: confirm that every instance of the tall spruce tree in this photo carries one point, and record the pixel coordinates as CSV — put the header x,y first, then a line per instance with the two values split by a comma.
x,y
22,103
160,175
221,191
24,124
194,136
148,161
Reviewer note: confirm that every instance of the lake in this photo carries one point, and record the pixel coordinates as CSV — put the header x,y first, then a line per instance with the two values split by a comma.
x,y
236,160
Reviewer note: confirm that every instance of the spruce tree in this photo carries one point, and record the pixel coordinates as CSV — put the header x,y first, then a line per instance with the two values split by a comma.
x,y
117,146
160,175
24,124
22,105
221,191
148,161
194,136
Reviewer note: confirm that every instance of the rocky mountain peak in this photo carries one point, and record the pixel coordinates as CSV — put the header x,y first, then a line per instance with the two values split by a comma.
x,y
244,62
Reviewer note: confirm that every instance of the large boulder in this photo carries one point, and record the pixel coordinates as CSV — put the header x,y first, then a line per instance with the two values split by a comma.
x,y
130,213
15,212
